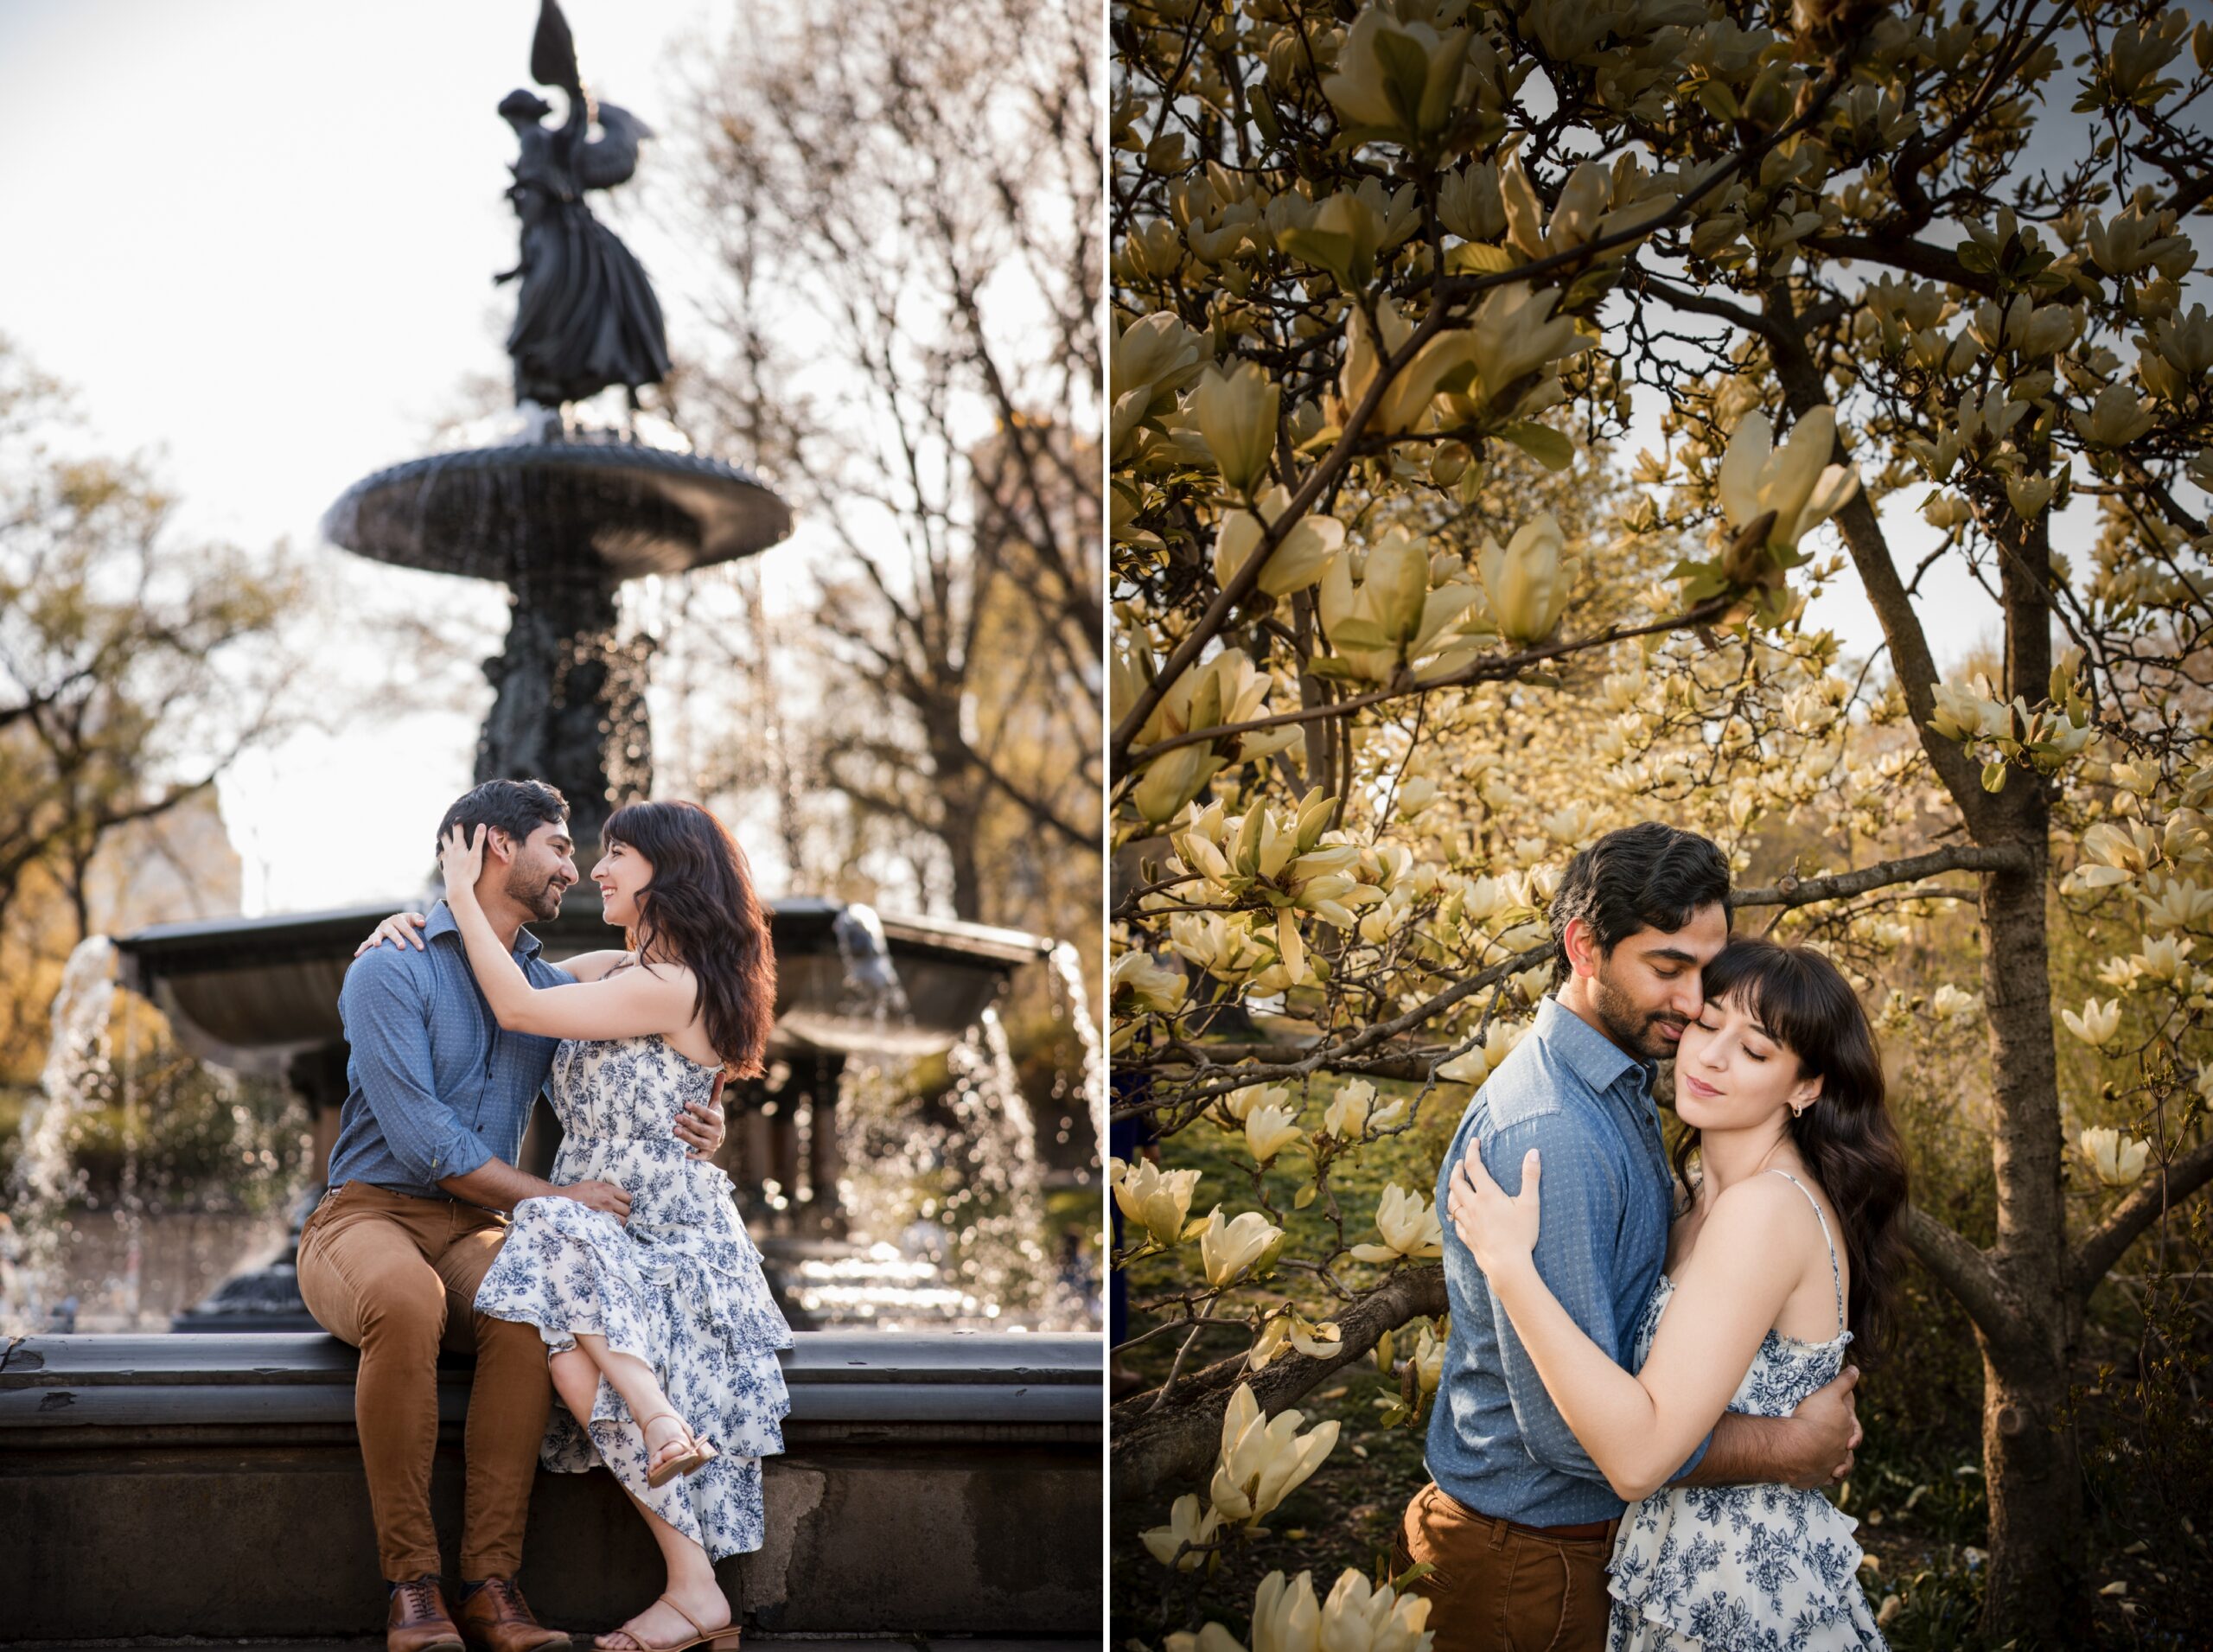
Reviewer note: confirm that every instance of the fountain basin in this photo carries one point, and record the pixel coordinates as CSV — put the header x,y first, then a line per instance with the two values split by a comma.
x,y
489,513
252,993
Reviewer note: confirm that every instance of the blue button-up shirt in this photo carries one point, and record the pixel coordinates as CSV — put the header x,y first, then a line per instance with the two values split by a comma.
x,y
1496,1442
435,1086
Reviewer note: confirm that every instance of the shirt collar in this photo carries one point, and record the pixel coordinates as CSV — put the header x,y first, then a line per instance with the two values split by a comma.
x,y
1596,1059
442,922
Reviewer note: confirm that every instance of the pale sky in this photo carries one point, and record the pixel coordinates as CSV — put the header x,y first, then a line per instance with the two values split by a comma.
x,y
258,237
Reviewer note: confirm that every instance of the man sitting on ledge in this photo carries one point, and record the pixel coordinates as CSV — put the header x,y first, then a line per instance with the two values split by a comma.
x,y
438,1097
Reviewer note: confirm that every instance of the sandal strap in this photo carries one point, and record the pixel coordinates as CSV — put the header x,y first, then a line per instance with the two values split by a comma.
x,y
685,1615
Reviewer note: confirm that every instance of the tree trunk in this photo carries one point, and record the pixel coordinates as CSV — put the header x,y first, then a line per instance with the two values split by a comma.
x,y
2032,1468
2036,1594
2032,1465
959,791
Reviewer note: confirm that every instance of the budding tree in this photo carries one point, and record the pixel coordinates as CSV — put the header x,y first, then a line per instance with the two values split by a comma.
x,y
1371,265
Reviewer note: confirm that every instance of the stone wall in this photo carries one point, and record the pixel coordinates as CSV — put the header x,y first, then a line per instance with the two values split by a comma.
x,y
212,1486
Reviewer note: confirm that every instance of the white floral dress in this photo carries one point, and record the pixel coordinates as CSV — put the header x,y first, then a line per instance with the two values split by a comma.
x,y
680,1285
1761,1568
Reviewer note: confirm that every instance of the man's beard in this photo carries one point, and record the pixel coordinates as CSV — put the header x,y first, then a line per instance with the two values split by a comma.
x,y
535,893
1631,1027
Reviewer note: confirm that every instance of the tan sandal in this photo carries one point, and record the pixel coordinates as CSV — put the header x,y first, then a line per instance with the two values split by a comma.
x,y
716,1640
693,1455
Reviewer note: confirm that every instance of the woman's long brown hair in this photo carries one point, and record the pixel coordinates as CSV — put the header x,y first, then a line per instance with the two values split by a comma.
x,y
1846,1137
699,908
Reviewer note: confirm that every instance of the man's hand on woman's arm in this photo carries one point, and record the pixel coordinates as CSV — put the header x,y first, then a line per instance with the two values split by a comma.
x,y
700,1126
1810,1449
498,1185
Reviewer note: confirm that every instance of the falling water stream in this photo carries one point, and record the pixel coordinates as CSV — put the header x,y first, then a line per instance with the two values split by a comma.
x,y
32,1293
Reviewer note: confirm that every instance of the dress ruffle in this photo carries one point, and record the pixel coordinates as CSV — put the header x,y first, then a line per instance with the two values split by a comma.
x,y
1762,1568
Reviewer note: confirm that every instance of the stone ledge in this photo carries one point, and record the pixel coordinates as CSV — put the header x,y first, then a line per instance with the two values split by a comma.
x,y
933,1489
840,1381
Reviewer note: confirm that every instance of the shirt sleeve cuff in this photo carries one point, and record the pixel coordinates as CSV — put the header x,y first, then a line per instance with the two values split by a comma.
x,y
464,1153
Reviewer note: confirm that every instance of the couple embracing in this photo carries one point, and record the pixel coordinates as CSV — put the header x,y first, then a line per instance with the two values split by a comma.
x,y
1644,1388
626,1286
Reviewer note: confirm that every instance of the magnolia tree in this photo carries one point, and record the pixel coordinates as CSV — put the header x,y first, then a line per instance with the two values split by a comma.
x,y
1373,683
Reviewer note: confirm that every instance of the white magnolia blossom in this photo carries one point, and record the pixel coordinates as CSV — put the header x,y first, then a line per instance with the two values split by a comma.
x,y
1359,1617
1228,1249
1238,1104
1286,1618
2097,1024
1477,1064
1146,986
1158,1201
1236,416
1187,1522
1300,557
1527,583
1354,1113
1796,481
1951,1001
1399,79
1264,1460
1963,714
2116,1160
1291,1330
1269,1130
1410,1228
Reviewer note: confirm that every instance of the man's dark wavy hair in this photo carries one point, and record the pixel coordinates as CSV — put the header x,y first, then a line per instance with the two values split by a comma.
x,y
517,807
699,907
1644,877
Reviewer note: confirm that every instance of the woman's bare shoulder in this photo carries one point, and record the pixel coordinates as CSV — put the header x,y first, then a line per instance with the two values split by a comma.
x,y
595,966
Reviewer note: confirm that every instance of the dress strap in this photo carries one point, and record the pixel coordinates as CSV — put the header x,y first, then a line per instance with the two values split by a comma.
x,y
1836,1276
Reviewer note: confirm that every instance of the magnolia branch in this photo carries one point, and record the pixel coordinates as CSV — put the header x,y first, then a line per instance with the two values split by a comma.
x,y
1165,1436
2145,1204
1961,857
1329,1056
1963,1270
1499,668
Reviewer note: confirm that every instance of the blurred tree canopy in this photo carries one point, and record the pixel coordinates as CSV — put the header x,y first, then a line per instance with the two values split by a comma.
x,y
903,202
135,665
1374,267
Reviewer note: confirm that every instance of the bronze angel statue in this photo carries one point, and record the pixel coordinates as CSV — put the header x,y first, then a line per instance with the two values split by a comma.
x,y
586,317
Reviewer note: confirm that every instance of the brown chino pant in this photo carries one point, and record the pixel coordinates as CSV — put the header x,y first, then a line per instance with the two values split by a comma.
x,y
1500,1587
396,1275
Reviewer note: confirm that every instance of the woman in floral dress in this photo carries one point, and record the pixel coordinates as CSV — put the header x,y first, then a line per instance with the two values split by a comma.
x,y
1786,1253
659,1327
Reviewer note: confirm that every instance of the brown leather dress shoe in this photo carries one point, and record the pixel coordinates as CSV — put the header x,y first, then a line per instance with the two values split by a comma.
x,y
418,1621
497,1619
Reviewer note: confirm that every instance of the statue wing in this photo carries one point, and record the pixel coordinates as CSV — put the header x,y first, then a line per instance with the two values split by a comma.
x,y
611,157
553,52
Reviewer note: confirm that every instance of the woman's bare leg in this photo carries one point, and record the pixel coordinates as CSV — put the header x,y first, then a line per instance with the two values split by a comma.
x,y
640,1390
692,1585
576,1379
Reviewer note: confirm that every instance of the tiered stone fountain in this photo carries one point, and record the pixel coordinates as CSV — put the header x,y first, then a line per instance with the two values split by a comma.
x,y
564,515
